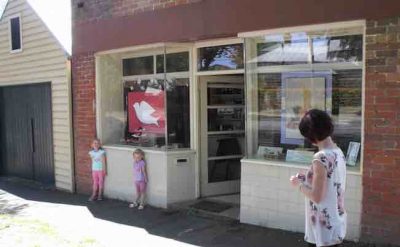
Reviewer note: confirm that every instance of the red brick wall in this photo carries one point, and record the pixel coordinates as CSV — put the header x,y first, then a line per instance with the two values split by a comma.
x,y
84,117
381,173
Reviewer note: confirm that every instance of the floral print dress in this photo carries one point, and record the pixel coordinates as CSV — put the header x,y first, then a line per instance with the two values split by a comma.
x,y
326,221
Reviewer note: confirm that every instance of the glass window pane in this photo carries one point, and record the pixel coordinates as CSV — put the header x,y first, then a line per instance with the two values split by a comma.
x,y
338,49
15,34
175,62
178,113
278,51
138,66
226,57
145,113
279,96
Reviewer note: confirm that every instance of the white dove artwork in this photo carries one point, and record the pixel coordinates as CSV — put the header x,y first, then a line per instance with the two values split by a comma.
x,y
143,112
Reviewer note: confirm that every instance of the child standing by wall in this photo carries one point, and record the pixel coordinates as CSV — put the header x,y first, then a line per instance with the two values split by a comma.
x,y
140,177
98,156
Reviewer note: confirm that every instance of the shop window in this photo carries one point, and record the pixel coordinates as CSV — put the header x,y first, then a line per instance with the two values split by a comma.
x,y
289,73
157,106
225,57
15,34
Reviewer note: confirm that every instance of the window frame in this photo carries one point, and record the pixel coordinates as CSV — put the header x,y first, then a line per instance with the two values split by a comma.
x,y
10,33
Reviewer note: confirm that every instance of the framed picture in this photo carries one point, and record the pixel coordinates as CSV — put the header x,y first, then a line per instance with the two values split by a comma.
x,y
269,152
352,153
299,156
300,93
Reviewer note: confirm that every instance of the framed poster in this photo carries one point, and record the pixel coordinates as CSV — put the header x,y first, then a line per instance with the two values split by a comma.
x,y
300,93
352,153
269,152
146,112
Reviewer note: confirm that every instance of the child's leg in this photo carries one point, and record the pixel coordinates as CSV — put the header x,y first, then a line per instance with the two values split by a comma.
x,y
95,185
142,193
138,192
101,184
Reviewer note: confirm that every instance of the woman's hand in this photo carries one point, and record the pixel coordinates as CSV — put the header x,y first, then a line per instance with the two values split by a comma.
x,y
295,181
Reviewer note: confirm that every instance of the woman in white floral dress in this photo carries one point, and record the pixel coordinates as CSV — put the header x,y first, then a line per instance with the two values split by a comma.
x,y
324,183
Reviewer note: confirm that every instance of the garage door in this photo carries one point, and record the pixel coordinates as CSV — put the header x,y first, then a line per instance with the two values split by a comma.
x,y
26,132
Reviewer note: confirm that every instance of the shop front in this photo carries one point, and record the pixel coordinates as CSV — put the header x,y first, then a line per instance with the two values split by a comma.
x,y
221,117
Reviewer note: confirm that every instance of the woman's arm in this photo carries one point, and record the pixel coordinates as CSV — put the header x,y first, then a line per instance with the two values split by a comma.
x,y
318,188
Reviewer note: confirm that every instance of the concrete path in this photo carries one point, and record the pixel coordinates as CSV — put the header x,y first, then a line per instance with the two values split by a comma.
x,y
33,216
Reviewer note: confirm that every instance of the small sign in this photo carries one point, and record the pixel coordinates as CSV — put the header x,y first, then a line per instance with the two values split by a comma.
x,y
299,156
352,153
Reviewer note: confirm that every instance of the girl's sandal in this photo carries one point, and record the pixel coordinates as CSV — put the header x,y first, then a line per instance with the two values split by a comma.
x,y
92,198
133,205
100,198
141,207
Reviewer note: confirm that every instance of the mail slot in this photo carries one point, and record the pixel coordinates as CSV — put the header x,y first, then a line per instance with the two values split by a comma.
x,y
182,161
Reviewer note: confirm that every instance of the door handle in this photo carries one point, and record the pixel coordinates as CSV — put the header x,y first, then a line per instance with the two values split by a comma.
x,y
33,135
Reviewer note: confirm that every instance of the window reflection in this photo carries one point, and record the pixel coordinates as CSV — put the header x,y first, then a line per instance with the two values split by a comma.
x,y
226,57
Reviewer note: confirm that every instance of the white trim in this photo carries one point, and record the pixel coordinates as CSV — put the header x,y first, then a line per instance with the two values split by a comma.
x,y
219,72
315,27
176,75
149,47
287,164
10,32
363,83
130,49
218,42
310,67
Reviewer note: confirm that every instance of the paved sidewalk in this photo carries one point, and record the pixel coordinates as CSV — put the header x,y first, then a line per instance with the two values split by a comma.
x,y
32,216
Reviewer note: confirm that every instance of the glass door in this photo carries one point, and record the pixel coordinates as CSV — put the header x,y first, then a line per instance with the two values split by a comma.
x,y
222,133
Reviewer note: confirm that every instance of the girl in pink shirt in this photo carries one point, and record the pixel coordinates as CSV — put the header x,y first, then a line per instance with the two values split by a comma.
x,y
140,179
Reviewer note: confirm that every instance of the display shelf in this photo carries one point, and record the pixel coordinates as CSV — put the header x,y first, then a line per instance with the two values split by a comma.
x,y
226,157
224,132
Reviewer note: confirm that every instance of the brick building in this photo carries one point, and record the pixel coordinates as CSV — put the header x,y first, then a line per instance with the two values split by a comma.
x,y
225,82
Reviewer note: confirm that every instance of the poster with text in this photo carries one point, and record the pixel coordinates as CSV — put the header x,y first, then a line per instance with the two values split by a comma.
x,y
146,112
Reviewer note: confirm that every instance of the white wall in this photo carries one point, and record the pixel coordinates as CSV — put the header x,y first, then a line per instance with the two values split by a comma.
x,y
42,59
267,198
168,182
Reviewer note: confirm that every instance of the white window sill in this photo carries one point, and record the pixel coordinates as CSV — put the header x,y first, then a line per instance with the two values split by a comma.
x,y
350,170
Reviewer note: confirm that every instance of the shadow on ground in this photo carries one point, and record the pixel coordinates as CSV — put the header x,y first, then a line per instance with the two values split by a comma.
x,y
182,226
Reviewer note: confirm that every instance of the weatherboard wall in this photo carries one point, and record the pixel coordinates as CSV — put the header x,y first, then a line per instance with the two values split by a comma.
x,y
42,59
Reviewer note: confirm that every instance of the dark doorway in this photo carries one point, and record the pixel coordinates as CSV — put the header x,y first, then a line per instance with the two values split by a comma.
x,y
26,132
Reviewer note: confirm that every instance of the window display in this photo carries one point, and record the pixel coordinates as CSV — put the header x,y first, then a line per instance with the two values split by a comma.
x,y
139,104
290,73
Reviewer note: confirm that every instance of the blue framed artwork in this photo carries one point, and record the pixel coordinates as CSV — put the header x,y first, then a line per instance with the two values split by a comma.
x,y
302,91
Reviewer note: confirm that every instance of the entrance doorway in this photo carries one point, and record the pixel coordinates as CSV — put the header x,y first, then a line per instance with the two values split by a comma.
x,y
26,148
222,134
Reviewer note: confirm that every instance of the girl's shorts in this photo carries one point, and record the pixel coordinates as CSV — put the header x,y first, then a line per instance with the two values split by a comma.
x,y
140,186
98,178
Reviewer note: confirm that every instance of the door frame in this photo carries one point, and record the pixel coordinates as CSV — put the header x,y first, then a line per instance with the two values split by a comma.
x,y
217,188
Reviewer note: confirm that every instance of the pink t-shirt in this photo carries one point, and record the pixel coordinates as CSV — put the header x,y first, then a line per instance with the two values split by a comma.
x,y
137,169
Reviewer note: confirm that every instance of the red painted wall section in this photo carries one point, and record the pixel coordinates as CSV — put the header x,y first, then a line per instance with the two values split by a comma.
x,y
84,117
381,173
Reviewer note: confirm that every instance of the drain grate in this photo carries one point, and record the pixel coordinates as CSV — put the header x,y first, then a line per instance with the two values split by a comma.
x,y
211,206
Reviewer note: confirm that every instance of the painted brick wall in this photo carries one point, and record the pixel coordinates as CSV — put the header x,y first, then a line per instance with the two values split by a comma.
x,y
84,117
381,173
